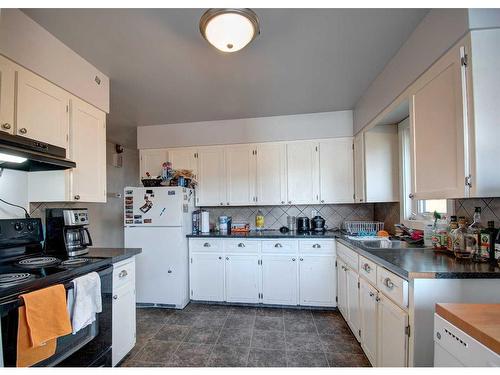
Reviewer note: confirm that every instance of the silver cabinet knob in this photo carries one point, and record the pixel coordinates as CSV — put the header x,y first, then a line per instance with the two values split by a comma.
x,y
293,259
220,257
322,201
282,202
77,197
316,246
372,294
206,244
367,267
122,274
301,259
227,258
241,244
388,283
23,130
169,271
411,195
222,203
278,245
377,299
289,202
115,296
227,203
6,126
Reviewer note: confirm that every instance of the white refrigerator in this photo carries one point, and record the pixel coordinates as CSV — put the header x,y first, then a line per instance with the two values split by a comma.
x,y
157,220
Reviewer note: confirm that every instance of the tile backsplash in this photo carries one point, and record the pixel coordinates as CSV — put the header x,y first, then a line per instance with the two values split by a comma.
x,y
490,209
276,216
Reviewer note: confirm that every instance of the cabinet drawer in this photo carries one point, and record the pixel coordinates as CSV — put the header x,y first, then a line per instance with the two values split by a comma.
x,y
368,269
317,247
349,256
280,246
205,244
241,246
123,273
392,286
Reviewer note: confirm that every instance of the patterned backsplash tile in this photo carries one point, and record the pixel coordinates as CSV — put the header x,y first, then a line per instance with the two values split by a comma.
x,y
276,216
490,209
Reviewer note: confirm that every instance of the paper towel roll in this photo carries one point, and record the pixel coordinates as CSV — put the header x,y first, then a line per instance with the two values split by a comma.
x,y
205,222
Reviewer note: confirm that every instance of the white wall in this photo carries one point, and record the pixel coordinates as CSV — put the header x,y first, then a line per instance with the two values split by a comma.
x,y
249,130
13,189
437,32
28,44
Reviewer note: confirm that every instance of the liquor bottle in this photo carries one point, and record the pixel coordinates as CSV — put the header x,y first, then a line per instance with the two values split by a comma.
x,y
453,225
473,237
487,246
459,248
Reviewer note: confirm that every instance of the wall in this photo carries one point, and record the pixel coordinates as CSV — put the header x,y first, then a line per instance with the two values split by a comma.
x,y
249,130
276,216
437,32
106,219
30,45
388,213
490,209
13,189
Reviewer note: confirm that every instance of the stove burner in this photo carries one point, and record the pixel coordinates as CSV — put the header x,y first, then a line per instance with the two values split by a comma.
x,y
38,262
13,278
74,262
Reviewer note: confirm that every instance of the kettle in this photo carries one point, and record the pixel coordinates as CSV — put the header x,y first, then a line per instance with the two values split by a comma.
x,y
318,224
303,224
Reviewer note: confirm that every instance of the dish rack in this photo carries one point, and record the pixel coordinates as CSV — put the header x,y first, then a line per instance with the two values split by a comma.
x,y
363,228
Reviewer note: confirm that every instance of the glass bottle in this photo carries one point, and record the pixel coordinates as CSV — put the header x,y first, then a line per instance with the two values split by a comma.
x,y
259,220
459,234
451,228
486,245
473,237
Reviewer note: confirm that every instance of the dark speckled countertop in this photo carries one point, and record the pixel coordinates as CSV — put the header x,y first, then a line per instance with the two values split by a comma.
x,y
409,263
114,254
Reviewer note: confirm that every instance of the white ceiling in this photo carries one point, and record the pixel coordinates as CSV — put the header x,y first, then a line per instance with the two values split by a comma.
x,y
162,71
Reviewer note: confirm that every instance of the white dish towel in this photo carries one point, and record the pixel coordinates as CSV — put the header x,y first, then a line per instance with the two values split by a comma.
x,y
84,300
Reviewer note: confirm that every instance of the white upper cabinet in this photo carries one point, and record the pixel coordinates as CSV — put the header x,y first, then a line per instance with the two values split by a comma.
x,y
211,177
303,172
7,80
151,161
359,168
240,174
88,151
42,110
381,164
336,170
437,130
184,158
271,173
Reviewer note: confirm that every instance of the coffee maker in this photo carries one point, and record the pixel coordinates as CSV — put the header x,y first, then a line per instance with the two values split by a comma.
x,y
66,231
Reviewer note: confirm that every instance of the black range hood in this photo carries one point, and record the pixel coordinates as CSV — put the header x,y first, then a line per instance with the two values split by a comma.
x,y
40,156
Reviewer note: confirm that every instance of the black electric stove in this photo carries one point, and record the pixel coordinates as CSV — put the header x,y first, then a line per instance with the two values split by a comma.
x,y
25,267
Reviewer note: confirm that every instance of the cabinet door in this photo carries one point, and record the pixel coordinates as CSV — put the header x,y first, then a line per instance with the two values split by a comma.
x,y
437,131
88,151
207,277
42,110
279,279
381,164
124,335
240,174
242,278
184,158
342,287
353,301
211,177
7,79
271,174
368,313
392,338
302,172
152,161
359,168
336,170
317,281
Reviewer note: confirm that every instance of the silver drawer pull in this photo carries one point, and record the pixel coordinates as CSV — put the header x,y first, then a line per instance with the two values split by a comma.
x,y
6,126
23,130
388,283
241,244
122,274
316,246
278,245
115,296
206,244
367,267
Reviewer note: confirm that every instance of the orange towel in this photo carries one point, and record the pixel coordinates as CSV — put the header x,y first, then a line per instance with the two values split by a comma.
x,y
43,318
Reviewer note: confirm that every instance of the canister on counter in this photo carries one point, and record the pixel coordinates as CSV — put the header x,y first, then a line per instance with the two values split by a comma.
x,y
224,224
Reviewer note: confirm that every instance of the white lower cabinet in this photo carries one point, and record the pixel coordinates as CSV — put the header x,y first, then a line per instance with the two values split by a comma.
x,y
353,301
206,276
317,280
369,318
124,319
242,278
392,336
342,287
267,271
279,279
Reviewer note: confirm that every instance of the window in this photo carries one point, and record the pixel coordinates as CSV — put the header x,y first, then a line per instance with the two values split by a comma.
x,y
414,211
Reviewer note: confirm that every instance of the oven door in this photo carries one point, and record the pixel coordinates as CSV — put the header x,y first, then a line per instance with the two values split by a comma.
x,y
88,347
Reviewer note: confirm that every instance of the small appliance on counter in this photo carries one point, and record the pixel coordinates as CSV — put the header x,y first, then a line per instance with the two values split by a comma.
x,y
67,232
303,224
318,224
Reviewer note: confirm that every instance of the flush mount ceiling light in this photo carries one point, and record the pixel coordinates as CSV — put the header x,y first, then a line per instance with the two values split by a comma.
x,y
230,29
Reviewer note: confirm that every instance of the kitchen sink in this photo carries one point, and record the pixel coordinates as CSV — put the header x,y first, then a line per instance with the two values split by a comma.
x,y
388,244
